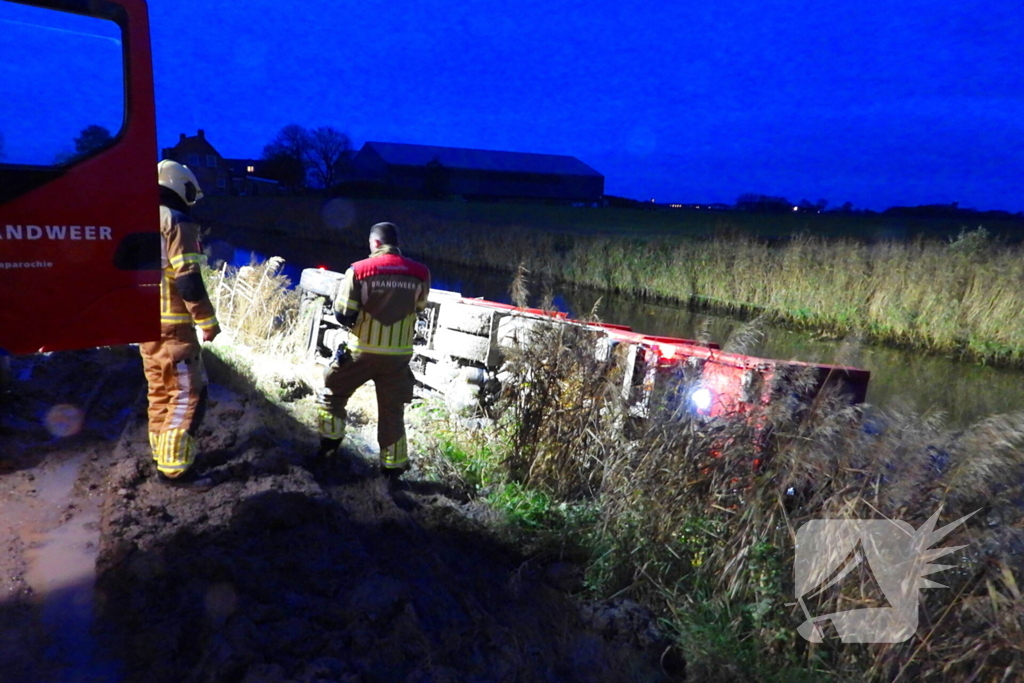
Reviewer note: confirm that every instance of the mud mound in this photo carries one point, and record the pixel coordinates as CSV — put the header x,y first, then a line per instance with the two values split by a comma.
x,y
279,573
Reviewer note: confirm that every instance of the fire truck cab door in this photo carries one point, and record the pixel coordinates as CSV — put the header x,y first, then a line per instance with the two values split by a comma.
x,y
79,204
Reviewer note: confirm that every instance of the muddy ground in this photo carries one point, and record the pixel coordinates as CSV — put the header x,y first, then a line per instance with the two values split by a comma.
x,y
282,571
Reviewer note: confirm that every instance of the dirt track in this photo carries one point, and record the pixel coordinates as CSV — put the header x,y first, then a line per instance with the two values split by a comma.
x,y
277,573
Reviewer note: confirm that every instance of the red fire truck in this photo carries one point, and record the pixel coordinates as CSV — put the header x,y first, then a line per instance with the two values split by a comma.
x,y
79,206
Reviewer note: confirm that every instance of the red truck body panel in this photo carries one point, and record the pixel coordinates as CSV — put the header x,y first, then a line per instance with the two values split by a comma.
x,y
79,254
737,382
734,382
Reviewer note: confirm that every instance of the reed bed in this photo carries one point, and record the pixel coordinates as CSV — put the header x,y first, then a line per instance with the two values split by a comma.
x,y
256,304
958,297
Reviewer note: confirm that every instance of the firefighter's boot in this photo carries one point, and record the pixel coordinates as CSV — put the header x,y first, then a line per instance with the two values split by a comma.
x,y
188,480
393,474
332,431
394,459
175,453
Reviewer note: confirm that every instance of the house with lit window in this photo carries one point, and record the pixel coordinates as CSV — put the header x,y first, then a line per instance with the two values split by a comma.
x,y
247,181
216,175
204,160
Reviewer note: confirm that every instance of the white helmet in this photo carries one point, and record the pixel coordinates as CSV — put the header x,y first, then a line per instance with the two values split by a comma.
x,y
179,178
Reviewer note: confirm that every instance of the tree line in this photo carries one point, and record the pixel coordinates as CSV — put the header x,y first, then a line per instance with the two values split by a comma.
x,y
300,158
297,157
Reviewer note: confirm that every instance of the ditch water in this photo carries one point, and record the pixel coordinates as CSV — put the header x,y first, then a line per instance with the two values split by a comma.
x,y
900,379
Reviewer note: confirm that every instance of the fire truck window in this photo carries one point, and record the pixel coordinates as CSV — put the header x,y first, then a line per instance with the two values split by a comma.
x,y
61,85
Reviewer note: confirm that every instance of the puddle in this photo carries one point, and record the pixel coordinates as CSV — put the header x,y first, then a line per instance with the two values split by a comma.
x,y
64,557
55,486
61,571
62,574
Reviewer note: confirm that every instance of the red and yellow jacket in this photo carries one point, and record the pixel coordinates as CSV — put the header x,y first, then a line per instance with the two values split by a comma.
x,y
382,295
183,297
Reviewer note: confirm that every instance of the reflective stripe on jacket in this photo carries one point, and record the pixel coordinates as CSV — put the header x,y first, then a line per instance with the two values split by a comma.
x,y
179,238
386,290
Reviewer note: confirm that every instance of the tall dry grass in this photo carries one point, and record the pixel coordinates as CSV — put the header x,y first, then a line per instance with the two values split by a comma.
x,y
256,304
698,518
956,296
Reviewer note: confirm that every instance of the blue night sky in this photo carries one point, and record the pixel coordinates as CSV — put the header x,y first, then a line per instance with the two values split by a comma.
x,y
876,103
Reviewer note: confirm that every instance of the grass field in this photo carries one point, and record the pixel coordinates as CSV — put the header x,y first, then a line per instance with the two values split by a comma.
x,y
301,212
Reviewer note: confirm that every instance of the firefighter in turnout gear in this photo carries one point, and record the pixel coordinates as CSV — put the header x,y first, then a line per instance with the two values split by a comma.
x,y
378,300
173,364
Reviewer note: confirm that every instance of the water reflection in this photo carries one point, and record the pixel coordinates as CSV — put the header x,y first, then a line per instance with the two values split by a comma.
x,y
899,379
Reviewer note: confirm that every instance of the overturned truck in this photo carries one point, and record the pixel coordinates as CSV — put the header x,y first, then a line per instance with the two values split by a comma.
x,y
460,348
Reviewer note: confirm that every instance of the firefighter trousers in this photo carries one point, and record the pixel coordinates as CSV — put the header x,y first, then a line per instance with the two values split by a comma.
x,y
177,396
393,381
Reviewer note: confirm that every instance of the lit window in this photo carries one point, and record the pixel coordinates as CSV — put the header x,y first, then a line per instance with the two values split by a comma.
x,y
250,169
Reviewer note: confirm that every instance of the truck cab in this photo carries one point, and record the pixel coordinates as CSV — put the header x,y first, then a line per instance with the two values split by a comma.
x,y
79,204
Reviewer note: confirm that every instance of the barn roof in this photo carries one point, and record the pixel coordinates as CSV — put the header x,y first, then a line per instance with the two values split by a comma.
x,y
402,154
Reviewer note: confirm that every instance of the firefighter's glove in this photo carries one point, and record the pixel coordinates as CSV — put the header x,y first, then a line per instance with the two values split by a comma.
x,y
342,355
